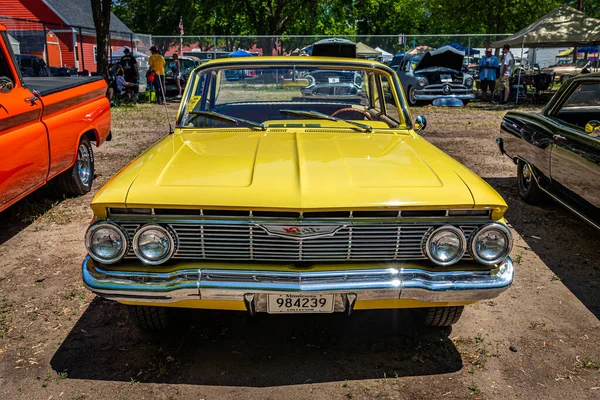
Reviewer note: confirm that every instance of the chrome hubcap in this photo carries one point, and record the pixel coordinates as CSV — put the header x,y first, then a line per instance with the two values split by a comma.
x,y
84,164
526,176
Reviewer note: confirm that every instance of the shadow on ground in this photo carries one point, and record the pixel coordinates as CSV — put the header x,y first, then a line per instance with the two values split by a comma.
x,y
233,349
565,243
23,213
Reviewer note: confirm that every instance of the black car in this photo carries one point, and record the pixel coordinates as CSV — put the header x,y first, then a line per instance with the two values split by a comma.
x,y
557,150
32,66
333,83
186,64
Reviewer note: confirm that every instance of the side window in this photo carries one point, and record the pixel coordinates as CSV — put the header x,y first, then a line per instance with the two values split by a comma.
x,y
5,65
583,106
389,102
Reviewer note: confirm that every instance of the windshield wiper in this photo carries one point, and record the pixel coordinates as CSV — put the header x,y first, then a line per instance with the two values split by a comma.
x,y
228,118
319,115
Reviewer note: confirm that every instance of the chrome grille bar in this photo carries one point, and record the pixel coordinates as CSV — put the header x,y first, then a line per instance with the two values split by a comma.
x,y
244,240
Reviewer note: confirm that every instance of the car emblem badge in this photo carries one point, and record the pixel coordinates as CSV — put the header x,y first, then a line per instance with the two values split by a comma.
x,y
301,232
446,89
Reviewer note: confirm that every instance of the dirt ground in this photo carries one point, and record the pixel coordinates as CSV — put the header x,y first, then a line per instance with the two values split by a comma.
x,y
537,340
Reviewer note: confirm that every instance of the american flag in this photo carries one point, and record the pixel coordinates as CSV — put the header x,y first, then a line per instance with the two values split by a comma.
x,y
181,26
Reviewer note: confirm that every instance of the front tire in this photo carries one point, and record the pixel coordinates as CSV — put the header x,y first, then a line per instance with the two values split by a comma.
x,y
441,316
412,101
151,319
528,186
78,179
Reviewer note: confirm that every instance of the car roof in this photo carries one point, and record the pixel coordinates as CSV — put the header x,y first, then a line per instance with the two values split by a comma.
x,y
295,60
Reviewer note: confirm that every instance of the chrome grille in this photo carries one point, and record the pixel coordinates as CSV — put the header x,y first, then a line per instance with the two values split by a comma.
x,y
240,241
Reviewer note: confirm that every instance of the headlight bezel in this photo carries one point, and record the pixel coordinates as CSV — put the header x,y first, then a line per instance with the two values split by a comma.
x,y
491,226
422,81
469,81
463,245
170,237
121,232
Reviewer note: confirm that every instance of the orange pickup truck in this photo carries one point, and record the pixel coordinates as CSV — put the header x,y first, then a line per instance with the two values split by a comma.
x,y
46,127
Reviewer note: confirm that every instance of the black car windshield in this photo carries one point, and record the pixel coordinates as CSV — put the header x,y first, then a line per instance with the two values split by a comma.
x,y
257,94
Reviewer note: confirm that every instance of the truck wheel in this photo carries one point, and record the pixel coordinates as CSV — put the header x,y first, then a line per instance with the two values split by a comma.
x,y
441,316
528,187
153,319
78,179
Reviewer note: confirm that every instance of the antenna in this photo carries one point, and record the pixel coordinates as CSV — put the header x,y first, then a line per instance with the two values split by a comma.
x,y
164,99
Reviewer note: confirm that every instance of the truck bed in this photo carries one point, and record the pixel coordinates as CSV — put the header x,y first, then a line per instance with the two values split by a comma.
x,y
47,86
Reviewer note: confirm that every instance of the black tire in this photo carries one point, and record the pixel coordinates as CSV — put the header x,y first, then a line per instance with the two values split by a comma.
x,y
78,179
441,316
410,95
152,319
465,102
528,186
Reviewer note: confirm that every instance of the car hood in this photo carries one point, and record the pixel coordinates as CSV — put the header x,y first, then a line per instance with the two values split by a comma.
x,y
445,57
295,170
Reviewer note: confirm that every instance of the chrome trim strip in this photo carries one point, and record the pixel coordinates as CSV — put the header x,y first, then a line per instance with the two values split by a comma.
x,y
395,282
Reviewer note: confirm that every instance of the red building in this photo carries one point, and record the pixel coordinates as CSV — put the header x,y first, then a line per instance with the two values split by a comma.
x,y
67,27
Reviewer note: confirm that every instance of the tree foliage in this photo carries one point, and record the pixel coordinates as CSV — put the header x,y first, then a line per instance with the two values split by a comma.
x,y
336,17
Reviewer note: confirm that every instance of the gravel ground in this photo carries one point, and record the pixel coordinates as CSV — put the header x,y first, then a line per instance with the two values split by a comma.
x,y
537,340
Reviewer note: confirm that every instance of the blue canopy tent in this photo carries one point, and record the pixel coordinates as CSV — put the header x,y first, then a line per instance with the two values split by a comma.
x,y
460,47
241,53
588,49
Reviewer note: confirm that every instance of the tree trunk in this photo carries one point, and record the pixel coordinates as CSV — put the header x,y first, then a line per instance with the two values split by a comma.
x,y
101,14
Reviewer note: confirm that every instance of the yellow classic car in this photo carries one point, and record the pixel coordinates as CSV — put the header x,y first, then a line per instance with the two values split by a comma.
x,y
268,200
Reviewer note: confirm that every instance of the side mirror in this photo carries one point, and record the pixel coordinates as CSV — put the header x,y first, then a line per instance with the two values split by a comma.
x,y
420,123
6,85
592,128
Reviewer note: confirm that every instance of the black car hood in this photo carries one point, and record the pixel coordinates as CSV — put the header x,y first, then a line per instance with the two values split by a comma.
x,y
445,57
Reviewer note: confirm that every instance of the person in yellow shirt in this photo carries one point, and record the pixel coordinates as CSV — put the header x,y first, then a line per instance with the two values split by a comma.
x,y
157,64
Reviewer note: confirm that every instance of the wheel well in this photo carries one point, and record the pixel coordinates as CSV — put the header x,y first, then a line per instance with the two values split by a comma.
x,y
91,135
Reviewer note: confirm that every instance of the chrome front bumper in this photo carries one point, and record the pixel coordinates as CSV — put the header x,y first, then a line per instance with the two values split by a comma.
x,y
433,96
252,286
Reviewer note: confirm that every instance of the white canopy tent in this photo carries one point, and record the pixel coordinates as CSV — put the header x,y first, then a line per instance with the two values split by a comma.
x,y
385,56
564,26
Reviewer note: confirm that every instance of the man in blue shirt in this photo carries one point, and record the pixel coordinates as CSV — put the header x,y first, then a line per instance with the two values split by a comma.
x,y
487,73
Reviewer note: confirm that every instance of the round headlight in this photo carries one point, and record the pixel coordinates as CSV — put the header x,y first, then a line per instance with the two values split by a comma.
x,y
153,244
469,81
446,245
422,81
491,244
106,242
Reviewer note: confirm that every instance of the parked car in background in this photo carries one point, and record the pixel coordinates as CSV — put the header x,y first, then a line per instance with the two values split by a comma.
x,y
32,66
332,83
557,150
267,201
567,70
187,65
46,128
435,74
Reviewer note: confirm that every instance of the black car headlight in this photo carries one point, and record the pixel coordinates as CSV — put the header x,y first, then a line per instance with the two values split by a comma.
x,y
469,81
491,243
106,242
153,244
446,245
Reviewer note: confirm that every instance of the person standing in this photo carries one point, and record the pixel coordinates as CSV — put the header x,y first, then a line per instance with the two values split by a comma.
x,y
508,65
157,64
130,66
177,73
487,73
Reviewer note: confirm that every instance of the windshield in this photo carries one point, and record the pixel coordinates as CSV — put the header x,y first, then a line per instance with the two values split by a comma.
x,y
266,96
186,65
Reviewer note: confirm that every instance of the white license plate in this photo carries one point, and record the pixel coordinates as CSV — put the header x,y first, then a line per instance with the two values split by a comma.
x,y
334,80
446,78
300,303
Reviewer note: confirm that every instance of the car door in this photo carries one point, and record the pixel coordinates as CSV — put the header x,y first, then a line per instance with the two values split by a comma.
x,y
575,155
23,138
